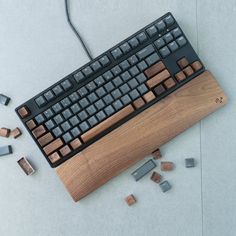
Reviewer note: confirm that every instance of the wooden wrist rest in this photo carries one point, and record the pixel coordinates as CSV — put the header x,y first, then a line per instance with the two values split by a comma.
x,y
140,136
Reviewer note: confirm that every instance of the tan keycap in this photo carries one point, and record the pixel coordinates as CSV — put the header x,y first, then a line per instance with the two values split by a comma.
x,y
75,143
158,78
138,103
47,138
31,124
183,62
53,146
157,154
196,65
188,71
54,157
15,133
130,200
148,97
156,177
153,70
23,112
65,150
4,132
169,83
167,166
37,132
180,76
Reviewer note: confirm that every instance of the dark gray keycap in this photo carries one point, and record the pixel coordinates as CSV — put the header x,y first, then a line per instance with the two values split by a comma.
x,y
159,43
164,51
100,92
109,86
66,84
82,115
96,65
181,41
50,124
152,31
142,89
159,89
168,37
91,110
107,75
92,121
145,52
57,90
57,132
142,37
57,107
99,104
67,137
79,76
101,115
75,132
82,91
41,101
48,113
133,83
84,102
39,119
134,70
99,81
116,70
124,65
74,120
124,88
65,126
165,186
176,32
142,65
143,170
58,119
65,102
90,86
134,94
116,93
5,150
4,100
189,162
67,113
133,60
141,78
84,126
74,97
109,110
152,59
125,99
92,97
49,95
125,47
117,81
117,105
173,46
108,99
160,25
116,53
104,60
169,20
75,108
126,76
133,42
87,71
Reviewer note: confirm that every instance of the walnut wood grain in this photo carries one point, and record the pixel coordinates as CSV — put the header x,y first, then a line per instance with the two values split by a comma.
x,y
45,139
153,70
148,97
53,146
140,136
158,78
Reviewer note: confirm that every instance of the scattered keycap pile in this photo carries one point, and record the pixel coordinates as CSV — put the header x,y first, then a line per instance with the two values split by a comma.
x,y
156,177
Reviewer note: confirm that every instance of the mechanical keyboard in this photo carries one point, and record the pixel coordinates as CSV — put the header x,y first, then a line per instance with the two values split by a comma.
x,y
111,89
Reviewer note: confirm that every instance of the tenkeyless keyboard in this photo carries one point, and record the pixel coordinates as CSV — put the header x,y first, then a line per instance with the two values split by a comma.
x,y
108,91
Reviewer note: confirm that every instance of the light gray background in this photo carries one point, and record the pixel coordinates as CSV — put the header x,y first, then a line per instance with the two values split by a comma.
x,y
37,48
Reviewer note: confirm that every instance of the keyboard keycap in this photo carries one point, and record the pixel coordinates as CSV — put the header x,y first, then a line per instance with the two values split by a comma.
x,y
82,91
133,42
49,124
152,31
116,53
152,59
141,78
44,140
188,71
101,115
92,97
159,43
75,132
79,77
148,97
160,25
65,102
165,52
39,119
57,90
66,126
41,101
133,83
57,107
142,65
91,110
124,88
104,60
74,120
126,76
109,110
67,137
109,86
108,99
66,85
169,83
158,78
87,71
125,99
100,92
74,97
134,94
84,126
159,90
99,81
53,146
176,32
142,89
84,102
40,130
153,70
142,37
116,70
92,121
124,65
168,37
133,60
117,81
134,70
49,95
75,108
58,119
96,66
145,52
116,93
99,104
173,46
169,20
138,103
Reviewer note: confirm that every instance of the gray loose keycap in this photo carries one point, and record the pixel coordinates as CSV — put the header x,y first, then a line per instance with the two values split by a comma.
x,y
5,150
165,186
189,162
4,100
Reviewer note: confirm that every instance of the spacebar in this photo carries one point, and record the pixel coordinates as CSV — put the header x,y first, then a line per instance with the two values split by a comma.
x,y
107,123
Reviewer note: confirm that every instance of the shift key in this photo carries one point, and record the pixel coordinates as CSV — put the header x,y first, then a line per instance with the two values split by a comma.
x,y
53,146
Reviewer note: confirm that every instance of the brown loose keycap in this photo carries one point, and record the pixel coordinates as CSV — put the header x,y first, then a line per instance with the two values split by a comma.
x,y
183,62
130,200
65,150
159,90
26,166
138,103
153,70
196,65
156,177
23,112
169,83
37,132
188,71
53,146
167,166
157,154
75,143
45,139
54,157
30,124
15,133
107,123
148,97
4,132
158,78
180,76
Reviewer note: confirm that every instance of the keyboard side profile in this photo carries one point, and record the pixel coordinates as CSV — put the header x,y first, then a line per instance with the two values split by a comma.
x,y
115,87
